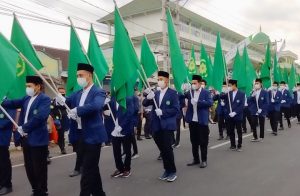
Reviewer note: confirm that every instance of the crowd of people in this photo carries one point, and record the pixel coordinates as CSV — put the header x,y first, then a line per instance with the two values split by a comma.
x,y
94,119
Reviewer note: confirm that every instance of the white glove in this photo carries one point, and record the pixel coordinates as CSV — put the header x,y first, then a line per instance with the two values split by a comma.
x,y
194,101
253,94
20,130
117,131
259,111
283,101
232,114
74,111
186,86
147,91
222,103
151,95
158,112
107,100
72,116
106,112
60,99
272,100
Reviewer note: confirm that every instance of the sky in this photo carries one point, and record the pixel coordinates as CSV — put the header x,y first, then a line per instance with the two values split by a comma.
x,y
277,18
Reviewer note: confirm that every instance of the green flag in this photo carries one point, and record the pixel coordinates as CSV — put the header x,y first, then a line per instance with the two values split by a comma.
x,y
250,72
96,56
276,70
179,70
21,41
219,66
292,79
9,59
236,66
239,72
76,55
205,69
265,68
285,76
147,61
125,63
192,64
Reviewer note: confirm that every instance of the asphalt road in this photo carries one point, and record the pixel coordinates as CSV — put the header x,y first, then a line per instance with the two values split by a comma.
x,y
271,167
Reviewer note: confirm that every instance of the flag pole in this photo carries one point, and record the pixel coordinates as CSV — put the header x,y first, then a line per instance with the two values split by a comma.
x,y
226,78
9,117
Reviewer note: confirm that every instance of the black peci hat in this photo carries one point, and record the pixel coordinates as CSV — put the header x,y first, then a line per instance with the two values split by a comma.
x,y
34,80
163,74
232,82
197,77
258,80
85,67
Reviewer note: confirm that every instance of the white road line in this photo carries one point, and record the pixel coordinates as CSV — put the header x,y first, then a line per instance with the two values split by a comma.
x,y
225,143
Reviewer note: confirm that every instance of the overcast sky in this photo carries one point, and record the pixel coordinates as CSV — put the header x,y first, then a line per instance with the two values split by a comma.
x,y
279,19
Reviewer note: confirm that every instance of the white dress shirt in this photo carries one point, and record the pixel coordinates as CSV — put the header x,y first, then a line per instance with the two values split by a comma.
x,y
234,94
257,94
195,111
28,108
162,94
298,97
84,94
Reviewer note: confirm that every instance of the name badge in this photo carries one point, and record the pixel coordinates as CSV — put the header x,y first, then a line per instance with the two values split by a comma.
x,y
168,102
238,101
262,98
35,112
1,115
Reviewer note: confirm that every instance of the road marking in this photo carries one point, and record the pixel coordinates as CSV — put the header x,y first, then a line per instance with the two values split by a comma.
x,y
228,142
56,157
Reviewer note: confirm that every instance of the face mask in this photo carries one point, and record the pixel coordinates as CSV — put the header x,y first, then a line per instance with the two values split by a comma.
x,y
224,89
158,88
30,91
194,87
257,86
161,84
281,87
202,86
82,82
229,88
298,88
274,88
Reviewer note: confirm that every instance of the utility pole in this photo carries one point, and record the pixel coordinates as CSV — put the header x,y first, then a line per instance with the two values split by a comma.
x,y
165,5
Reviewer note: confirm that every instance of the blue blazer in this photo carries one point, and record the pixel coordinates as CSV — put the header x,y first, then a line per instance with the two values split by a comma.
x,y
6,127
204,103
93,130
237,104
170,109
126,118
181,99
286,95
36,126
295,98
263,103
277,101
221,110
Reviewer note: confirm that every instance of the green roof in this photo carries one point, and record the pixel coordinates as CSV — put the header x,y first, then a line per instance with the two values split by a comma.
x,y
261,38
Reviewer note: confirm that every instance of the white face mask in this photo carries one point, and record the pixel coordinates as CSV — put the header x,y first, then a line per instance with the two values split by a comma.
x,y
298,88
194,87
229,88
274,88
282,87
158,88
161,84
224,89
82,82
202,86
30,91
257,86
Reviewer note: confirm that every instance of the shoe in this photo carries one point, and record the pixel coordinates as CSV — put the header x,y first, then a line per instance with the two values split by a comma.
x,y
254,140
193,163
148,137
203,164
274,133
289,125
261,139
5,190
232,148
176,146
116,174
126,174
159,158
48,160
171,177
135,156
239,149
220,138
63,151
74,173
281,128
139,138
163,176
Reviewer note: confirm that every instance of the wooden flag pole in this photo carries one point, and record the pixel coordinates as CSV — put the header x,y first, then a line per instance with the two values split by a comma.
x,y
9,117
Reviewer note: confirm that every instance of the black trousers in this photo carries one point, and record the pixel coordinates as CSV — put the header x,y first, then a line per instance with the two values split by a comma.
x,y
118,142
233,124
147,126
35,161
134,144
274,118
164,140
176,137
221,125
91,183
5,167
246,116
139,125
199,137
78,149
297,110
287,115
61,139
261,120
